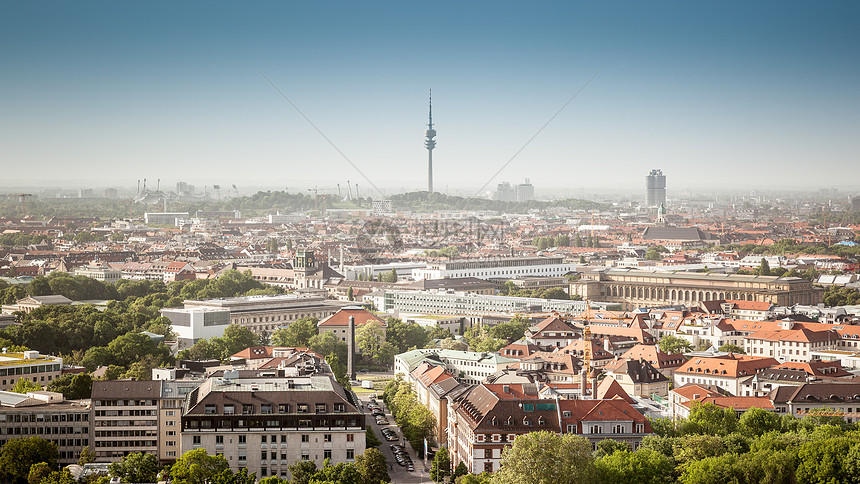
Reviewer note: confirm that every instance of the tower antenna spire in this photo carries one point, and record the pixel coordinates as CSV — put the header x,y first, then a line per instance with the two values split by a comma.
x,y
430,123
430,143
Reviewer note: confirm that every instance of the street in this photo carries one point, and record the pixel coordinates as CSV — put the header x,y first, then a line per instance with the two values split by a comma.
x,y
397,472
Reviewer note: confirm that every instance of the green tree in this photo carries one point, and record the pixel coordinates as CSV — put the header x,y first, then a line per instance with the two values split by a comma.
x,y
709,419
38,472
764,268
369,338
510,331
370,438
452,344
338,369
723,469
350,294
227,476
757,421
441,466
547,457
729,348
822,461
644,466
609,446
87,455
136,467
18,455
297,334
302,471
25,385
372,467
460,470
326,343
670,344
197,467
405,336
272,245
60,477
336,474
273,480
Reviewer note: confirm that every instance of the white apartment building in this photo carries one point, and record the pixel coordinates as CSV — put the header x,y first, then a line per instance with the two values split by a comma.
x,y
468,304
268,313
99,272
267,424
193,324
502,267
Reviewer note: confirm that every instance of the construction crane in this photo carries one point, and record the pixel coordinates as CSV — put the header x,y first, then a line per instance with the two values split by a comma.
x,y
23,199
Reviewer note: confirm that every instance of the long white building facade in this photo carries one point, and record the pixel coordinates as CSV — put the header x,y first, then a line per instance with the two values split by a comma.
x,y
501,267
461,303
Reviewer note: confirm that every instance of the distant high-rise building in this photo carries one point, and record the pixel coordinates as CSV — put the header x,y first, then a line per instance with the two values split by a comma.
x,y
655,188
855,203
525,191
183,188
111,193
430,143
505,193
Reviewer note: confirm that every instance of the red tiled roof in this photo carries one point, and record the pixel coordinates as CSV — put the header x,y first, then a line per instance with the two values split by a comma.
x,y
341,318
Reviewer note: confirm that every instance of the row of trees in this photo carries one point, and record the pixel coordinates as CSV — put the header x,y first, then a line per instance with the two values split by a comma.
x,y
378,345
84,335
841,296
490,339
791,246
543,243
416,420
435,201
34,460
511,289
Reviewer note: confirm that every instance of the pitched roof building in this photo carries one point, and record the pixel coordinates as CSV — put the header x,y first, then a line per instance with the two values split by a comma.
x,y
487,418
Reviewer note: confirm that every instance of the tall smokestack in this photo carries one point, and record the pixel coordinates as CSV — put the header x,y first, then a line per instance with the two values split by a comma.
x,y
350,356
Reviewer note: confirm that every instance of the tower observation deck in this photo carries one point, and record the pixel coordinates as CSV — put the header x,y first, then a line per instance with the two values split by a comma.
x,y
430,143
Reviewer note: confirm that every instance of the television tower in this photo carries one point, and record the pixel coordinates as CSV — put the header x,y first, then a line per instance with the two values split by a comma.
x,y
430,143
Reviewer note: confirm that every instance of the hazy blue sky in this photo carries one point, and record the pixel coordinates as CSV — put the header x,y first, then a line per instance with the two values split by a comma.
x,y
749,93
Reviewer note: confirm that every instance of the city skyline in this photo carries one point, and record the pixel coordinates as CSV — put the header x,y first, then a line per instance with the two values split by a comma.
x,y
717,95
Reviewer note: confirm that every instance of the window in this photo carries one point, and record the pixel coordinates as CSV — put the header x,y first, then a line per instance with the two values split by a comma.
x,y
326,437
327,454
229,409
262,439
302,407
306,438
320,408
283,408
219,440
488,453
350,437
596,429
350,454
266,408
243,440
306,455
196,440
247,409
210,409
